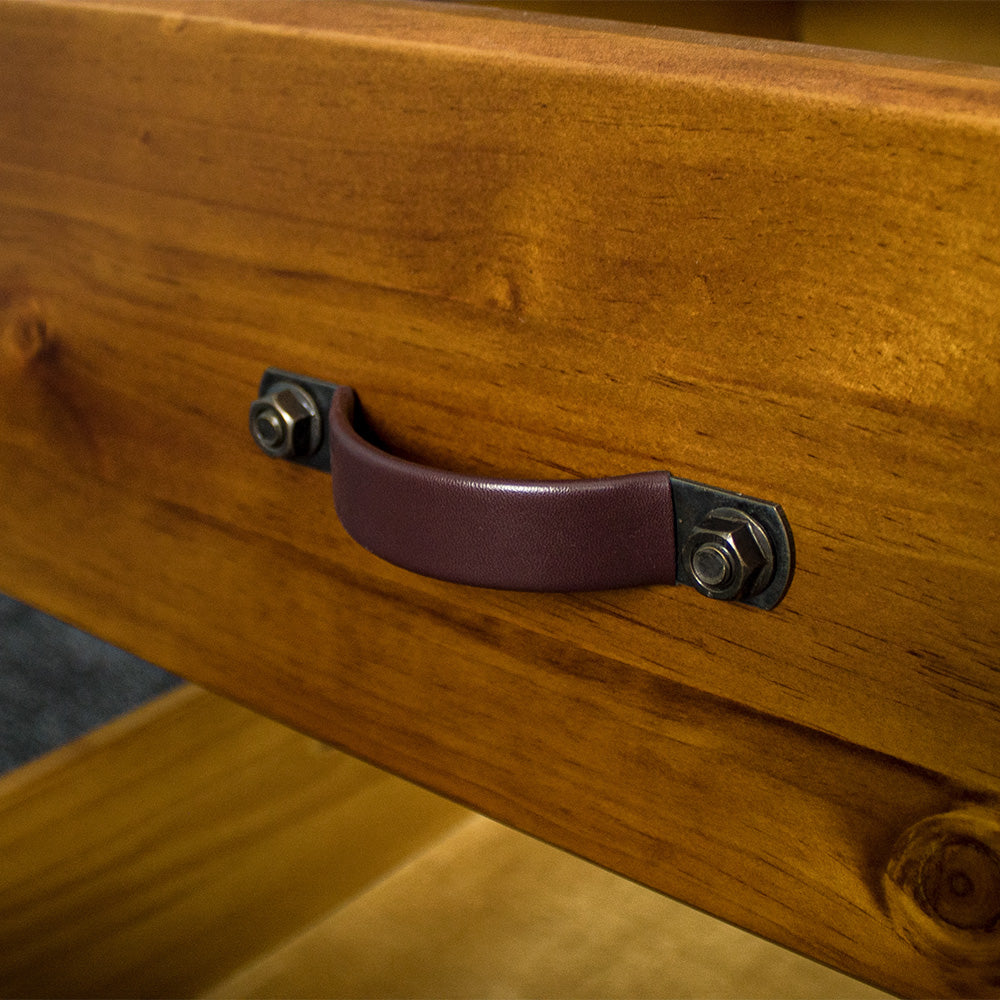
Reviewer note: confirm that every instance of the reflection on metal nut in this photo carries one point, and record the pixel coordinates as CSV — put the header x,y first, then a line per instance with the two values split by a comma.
x,y
286,422
729,555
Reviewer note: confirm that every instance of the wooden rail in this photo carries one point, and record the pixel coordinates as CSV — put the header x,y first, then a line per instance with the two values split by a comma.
x,y
537,248
194,848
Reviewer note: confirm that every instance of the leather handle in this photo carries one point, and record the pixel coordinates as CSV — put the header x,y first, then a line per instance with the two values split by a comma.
x,y
584,534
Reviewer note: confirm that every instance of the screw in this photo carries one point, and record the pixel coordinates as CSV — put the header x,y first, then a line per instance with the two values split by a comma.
x,y
286,422
269,430
729,555
712,565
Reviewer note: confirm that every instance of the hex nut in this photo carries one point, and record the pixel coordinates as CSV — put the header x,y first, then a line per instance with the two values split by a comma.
x,y
286,422
729,556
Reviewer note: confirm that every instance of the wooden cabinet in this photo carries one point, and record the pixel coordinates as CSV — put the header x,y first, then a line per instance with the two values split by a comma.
x,y
539,249
195,849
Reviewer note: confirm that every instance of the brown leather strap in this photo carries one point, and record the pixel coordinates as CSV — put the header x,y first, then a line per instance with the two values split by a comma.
x,y
583,534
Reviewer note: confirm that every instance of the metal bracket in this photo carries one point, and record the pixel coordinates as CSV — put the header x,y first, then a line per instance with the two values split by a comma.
x,y
317,456
704,521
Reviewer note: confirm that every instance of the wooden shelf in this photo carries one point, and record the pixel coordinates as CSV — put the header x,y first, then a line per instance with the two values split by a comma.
x,y
194,848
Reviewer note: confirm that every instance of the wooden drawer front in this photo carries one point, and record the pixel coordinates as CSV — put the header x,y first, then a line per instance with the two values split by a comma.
x,y
536,249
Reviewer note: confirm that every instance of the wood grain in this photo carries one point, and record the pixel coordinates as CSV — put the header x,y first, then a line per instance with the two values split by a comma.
x,y
488,912
534,249
193,838
170,848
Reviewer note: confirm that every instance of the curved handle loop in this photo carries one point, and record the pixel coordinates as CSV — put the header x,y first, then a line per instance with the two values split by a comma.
x,y
563,535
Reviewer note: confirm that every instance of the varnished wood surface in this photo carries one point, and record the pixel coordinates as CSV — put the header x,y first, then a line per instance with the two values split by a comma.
x,y
534,250
193,848
488,912
163,852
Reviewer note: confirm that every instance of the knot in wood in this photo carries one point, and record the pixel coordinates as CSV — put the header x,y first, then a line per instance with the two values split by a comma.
x,y
24,332
942,885
960,884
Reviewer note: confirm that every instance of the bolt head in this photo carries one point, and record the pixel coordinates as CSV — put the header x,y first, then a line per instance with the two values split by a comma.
x,y
729,556
712,564
286,422
269,429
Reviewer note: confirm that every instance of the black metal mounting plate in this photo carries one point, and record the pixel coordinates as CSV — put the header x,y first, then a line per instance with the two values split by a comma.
x,y
694,501
322,394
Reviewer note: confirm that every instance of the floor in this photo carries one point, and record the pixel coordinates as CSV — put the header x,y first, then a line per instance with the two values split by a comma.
x,y
57,683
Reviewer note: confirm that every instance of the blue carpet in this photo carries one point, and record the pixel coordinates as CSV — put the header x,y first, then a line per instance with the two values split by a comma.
x,y
57,683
